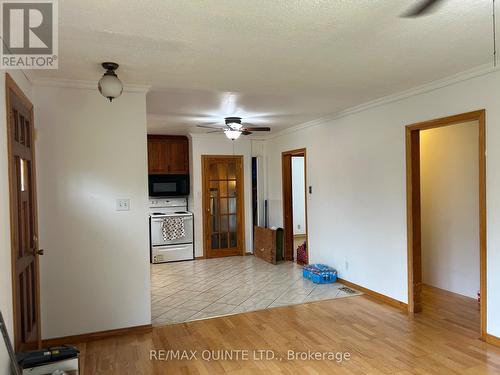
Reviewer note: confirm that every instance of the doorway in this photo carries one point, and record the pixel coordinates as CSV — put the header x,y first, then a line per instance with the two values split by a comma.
x,y
23,218
414,207
294,176
223,206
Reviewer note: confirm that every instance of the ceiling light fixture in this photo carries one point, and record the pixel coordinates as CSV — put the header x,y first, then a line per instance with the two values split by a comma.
x,y
232,134
235,125
110,85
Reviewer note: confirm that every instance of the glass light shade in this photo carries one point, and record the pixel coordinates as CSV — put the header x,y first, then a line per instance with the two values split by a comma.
x,y
232,134
235,125
110,86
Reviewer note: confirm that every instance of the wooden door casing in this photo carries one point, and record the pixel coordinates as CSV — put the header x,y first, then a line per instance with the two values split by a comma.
x,y
414,210
24,224
220,251
287,181
287,206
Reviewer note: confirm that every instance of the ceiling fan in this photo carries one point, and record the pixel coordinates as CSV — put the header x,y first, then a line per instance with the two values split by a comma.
x,y
422,8
233,128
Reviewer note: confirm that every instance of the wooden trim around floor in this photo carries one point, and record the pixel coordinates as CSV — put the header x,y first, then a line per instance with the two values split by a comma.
x,y
86,337
200,257
381,297
413,207
493,340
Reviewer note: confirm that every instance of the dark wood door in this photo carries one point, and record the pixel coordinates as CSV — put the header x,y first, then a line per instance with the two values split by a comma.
x,y
25,251
223,199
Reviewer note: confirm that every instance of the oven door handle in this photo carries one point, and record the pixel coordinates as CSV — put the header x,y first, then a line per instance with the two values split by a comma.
x,y
164,217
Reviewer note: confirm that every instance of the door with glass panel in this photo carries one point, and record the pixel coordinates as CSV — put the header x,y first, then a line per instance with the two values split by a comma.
x,y
223,206
23,217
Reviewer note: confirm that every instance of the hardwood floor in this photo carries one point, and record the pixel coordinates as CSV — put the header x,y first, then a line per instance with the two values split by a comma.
x,y
380,339
453,309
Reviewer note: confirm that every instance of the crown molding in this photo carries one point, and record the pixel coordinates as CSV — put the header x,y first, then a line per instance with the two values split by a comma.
x,y
422,89
83,85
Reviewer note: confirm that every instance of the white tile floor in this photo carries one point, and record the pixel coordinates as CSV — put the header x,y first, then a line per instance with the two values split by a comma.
x,y
200,289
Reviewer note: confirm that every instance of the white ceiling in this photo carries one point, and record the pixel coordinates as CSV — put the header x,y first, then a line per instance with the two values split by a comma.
x,y
272,62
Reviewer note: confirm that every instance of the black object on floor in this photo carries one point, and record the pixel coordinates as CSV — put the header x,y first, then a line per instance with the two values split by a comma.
x,y
45,356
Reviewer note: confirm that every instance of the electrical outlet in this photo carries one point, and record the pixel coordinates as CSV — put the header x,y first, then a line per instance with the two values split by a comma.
x,y
123,205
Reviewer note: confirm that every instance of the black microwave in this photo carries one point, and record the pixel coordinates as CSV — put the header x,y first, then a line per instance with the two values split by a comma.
x,y
168,185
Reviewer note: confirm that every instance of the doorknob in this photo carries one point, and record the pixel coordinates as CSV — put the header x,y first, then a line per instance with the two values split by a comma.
x,y
39,252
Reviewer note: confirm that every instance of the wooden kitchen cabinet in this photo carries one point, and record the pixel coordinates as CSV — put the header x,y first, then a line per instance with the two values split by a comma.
x,y
168,154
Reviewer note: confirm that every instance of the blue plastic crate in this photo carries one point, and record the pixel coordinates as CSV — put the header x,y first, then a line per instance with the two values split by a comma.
x,y
320,273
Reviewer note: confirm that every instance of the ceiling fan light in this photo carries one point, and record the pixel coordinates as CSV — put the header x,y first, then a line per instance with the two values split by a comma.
x,y
110,85
232,134
235,125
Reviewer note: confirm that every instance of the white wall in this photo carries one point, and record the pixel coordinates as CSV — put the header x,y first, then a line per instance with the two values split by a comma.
x,y
95,272
202,144
449,169
356,166
298,195
5,244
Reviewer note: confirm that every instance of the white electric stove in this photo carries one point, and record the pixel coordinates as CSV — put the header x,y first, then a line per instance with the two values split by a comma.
x,y
170,248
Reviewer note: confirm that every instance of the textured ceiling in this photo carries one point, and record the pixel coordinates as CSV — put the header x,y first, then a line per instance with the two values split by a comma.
x,y
274,62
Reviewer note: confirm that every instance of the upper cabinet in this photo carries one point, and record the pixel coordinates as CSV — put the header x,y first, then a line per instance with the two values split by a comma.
x,y
168,154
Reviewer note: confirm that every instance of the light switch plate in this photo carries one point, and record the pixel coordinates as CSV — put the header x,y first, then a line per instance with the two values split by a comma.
x,y
123,205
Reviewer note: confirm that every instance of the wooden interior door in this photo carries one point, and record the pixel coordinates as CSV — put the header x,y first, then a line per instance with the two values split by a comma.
x,y
23,207
223,202
287,181
287,206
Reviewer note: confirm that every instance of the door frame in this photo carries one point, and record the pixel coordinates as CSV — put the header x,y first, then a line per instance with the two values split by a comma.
x,y
10,85
240,203
286,172
414,210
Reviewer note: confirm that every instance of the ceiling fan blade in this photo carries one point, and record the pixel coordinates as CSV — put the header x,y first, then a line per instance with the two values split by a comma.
x,y
258,129
211,126
424,7
246,132
215,131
